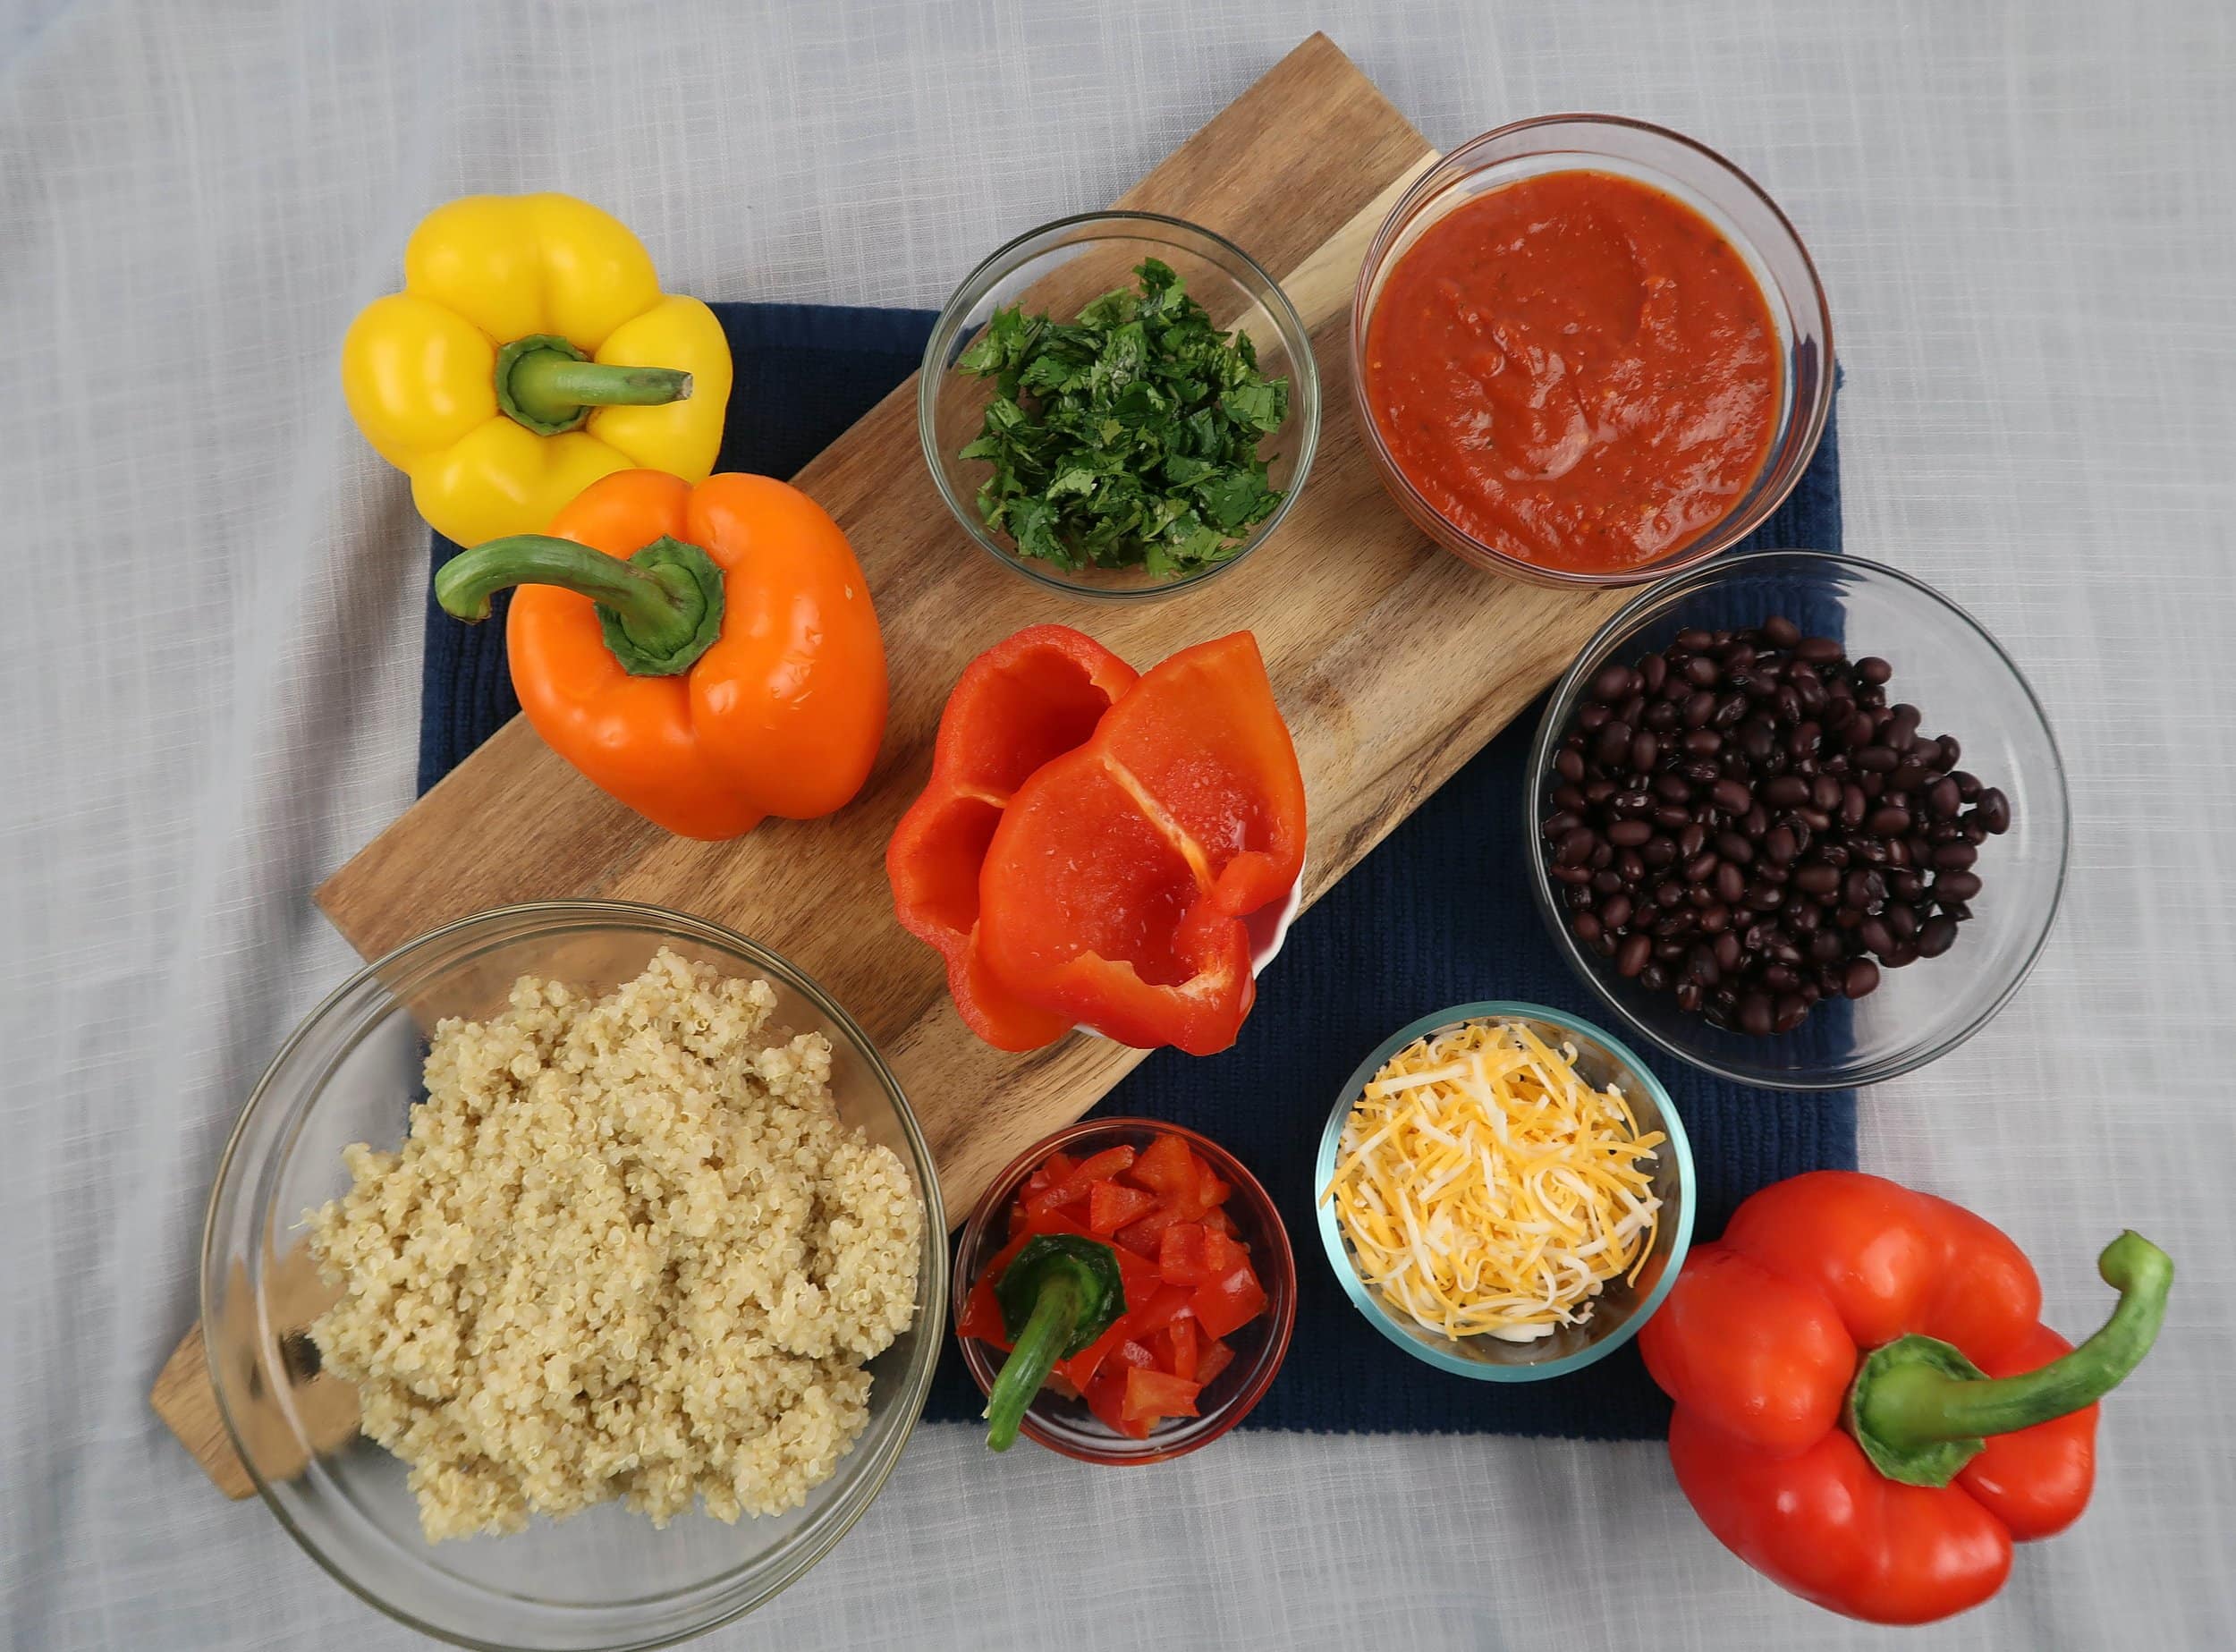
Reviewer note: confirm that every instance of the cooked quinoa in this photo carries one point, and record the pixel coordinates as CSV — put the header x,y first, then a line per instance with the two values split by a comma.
x,y
627,1251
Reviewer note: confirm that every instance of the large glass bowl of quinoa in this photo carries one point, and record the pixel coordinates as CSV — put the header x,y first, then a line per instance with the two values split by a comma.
x,y
573,1278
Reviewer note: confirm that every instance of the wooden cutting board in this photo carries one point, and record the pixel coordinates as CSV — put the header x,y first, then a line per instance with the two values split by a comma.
x,y
1394,663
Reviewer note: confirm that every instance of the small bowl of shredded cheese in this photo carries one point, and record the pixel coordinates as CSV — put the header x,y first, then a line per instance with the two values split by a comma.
x,y
1504,1192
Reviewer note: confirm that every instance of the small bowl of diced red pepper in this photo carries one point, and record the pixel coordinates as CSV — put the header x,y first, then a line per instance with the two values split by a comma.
x,y
1153,1272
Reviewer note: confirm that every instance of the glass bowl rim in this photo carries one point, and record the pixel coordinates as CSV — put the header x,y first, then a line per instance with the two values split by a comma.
x,y
1445,171
587,914
1339,1255
932,371
1283,1302
1561,704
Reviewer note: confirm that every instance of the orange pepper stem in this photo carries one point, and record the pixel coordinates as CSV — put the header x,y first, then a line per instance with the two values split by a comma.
x,y
661,609
548,386
1921,1410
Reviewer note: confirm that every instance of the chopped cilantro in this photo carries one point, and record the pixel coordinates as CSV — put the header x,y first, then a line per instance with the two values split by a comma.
x,y
1127,438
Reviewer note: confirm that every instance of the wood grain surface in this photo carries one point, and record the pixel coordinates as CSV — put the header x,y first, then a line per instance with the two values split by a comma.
x,y
1393,661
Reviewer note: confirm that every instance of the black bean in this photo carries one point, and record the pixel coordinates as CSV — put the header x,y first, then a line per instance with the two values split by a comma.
x,y
1671,787
1950,753
1607,881
1672,817
1597,791
1689,996
1732,846
1727,950
1874,933
1956,911
1569,765
1903,955
1780,977
1587,926
1956,886
1605,946
1888,820
1654,978
1632,955
1658,853
1561,823
1872,760
1571,874
1901,921
1781,633
1786,792
1670,892
1872,670
1853,804
1905,886
1731,884
1780,845
1701,742
1676,923
1968,784
1644,750
1731,796
1615,682
1631,709
1613,743
1614,912
1661,717
1818,651
1715,917
1956,857
1861,979
1692,839
1630,866
1935,935
1827,947
1700,868
1994,810
1592,717
1653,671
1755,1014
1700,966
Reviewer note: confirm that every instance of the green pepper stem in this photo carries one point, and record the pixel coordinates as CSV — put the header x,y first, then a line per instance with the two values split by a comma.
x,y
661,609
1907,1404
545,383
1055,1313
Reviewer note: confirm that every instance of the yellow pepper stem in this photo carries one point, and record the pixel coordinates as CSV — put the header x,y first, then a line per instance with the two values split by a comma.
x,y
546,383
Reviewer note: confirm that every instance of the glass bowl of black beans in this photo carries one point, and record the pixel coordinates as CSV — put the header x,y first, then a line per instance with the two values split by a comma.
x,y
1799,819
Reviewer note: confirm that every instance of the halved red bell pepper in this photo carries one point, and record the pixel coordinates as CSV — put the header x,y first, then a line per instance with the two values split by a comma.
x,y
1116,881
1024,701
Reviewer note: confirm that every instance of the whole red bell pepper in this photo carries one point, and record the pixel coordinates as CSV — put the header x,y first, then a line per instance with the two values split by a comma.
x,y
1870,1411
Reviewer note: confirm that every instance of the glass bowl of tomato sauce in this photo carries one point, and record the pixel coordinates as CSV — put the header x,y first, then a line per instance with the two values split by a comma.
x,y
1589,352
1254,1349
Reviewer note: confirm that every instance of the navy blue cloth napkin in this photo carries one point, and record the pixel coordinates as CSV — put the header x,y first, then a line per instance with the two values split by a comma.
x,y
1439,914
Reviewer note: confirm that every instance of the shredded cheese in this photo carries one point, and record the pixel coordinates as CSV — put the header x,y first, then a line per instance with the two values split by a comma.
x,y
1487,1190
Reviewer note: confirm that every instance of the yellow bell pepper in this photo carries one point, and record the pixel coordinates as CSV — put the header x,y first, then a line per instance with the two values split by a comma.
x,y
530,352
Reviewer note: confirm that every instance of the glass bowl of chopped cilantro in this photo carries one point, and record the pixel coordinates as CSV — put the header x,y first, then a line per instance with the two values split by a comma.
x,y
1119,405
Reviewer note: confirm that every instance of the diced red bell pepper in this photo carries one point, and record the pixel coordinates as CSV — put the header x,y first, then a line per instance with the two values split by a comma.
x,y
981,1315
1168,1168
1090,1173
1226,1302
1212,1358
1151,1394
1112,1205
1106,1398
1055,1168
1144,1237
1161,1310
1180,1345
1179,1254
1115,882
1023,701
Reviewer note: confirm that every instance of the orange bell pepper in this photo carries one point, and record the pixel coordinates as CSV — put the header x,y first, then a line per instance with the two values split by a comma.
x,y
1870,1411
1115,882
709,656
1026,699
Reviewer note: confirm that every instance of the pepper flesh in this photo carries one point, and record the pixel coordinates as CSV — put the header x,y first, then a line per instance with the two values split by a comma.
x,y
1028,698
781,714
1114,884
420,369
1758,1344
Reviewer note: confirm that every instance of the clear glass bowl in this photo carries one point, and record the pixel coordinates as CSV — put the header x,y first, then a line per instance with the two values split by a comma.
x,y
1620,1307
1058,270
1949,667
1747,218
1067,1426
351,1072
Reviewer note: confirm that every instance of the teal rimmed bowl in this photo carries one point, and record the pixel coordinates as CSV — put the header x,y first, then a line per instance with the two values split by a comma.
x,y
1621,1308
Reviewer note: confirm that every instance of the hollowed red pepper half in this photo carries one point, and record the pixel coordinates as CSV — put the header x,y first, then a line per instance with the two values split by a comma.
x,y
1030,697
1115,882
1870,1410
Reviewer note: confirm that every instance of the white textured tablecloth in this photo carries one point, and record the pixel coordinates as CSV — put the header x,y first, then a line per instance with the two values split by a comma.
x,y
209,657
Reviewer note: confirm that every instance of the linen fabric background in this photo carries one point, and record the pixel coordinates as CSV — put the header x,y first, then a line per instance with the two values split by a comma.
x,y
2023,212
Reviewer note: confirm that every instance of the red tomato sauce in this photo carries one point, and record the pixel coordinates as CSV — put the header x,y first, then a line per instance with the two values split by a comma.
x,y
1576,369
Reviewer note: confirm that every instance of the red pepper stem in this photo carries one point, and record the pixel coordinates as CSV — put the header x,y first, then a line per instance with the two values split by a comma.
x,y
547,384
660,610
1055,1314
1918,1408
